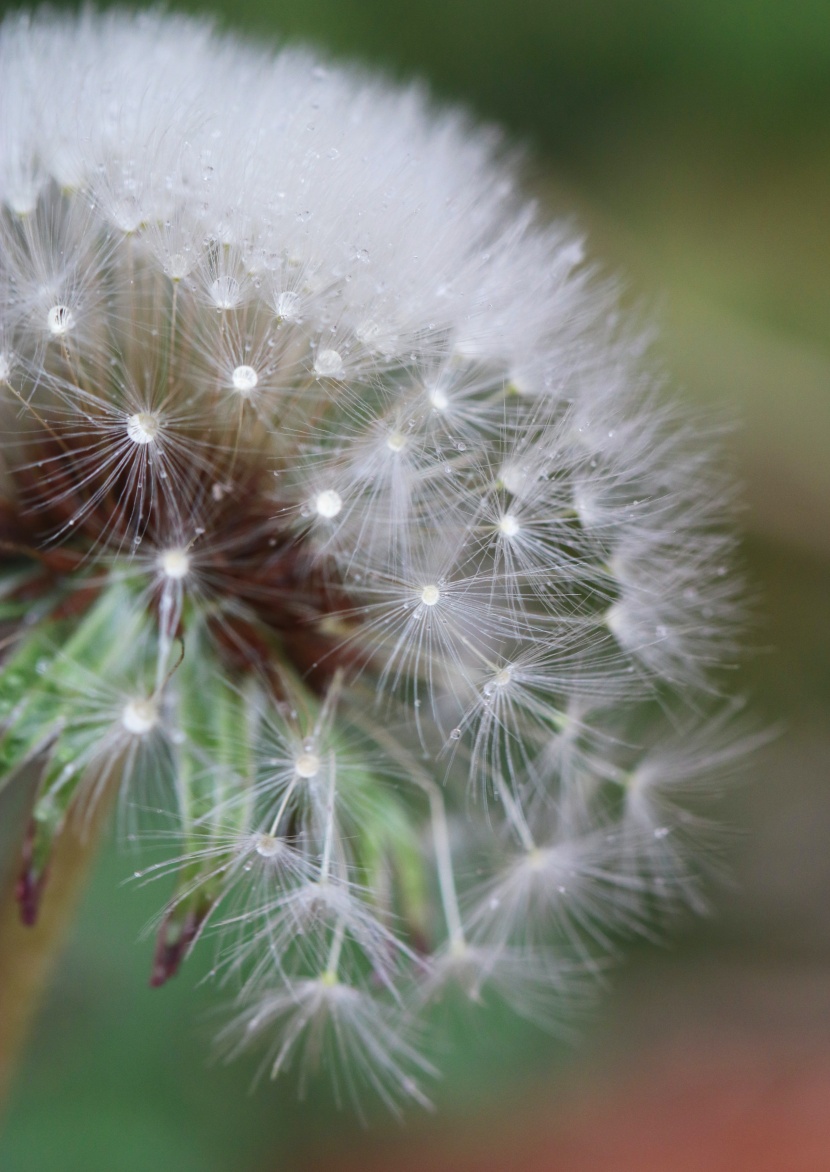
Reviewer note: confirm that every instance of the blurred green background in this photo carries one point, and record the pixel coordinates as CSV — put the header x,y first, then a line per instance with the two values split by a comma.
x,y
690,139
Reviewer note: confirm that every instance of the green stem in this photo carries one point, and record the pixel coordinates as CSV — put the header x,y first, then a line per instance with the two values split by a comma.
x,y
29,954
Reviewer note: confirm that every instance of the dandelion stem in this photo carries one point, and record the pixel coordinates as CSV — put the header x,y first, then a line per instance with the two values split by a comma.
x,y
440,832
328,841
446,876
28,953
336,948
514,813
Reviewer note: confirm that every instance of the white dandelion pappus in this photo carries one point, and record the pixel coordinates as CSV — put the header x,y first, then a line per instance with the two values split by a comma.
x,y
401,544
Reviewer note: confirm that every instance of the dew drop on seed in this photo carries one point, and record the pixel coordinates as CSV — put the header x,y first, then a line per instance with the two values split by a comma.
x,y
307,765
244,379
177,266
328,503
367,331
139,717
174,564
287,306
455,734
267,845
225,292
60,320
143,427
328,363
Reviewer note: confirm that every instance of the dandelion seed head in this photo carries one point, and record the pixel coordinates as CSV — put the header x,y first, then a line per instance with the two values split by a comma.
x,y
448,565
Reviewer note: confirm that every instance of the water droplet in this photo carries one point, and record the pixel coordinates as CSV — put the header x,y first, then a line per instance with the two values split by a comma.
x,y
60,320
328,503
139,717
287,305
174,564
143,427
225,292
307,765
244,379
328,363
267,846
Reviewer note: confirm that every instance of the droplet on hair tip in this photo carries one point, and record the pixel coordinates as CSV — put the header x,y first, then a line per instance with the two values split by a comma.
x,y
328,363
60,320
244,379
328,503
143,427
